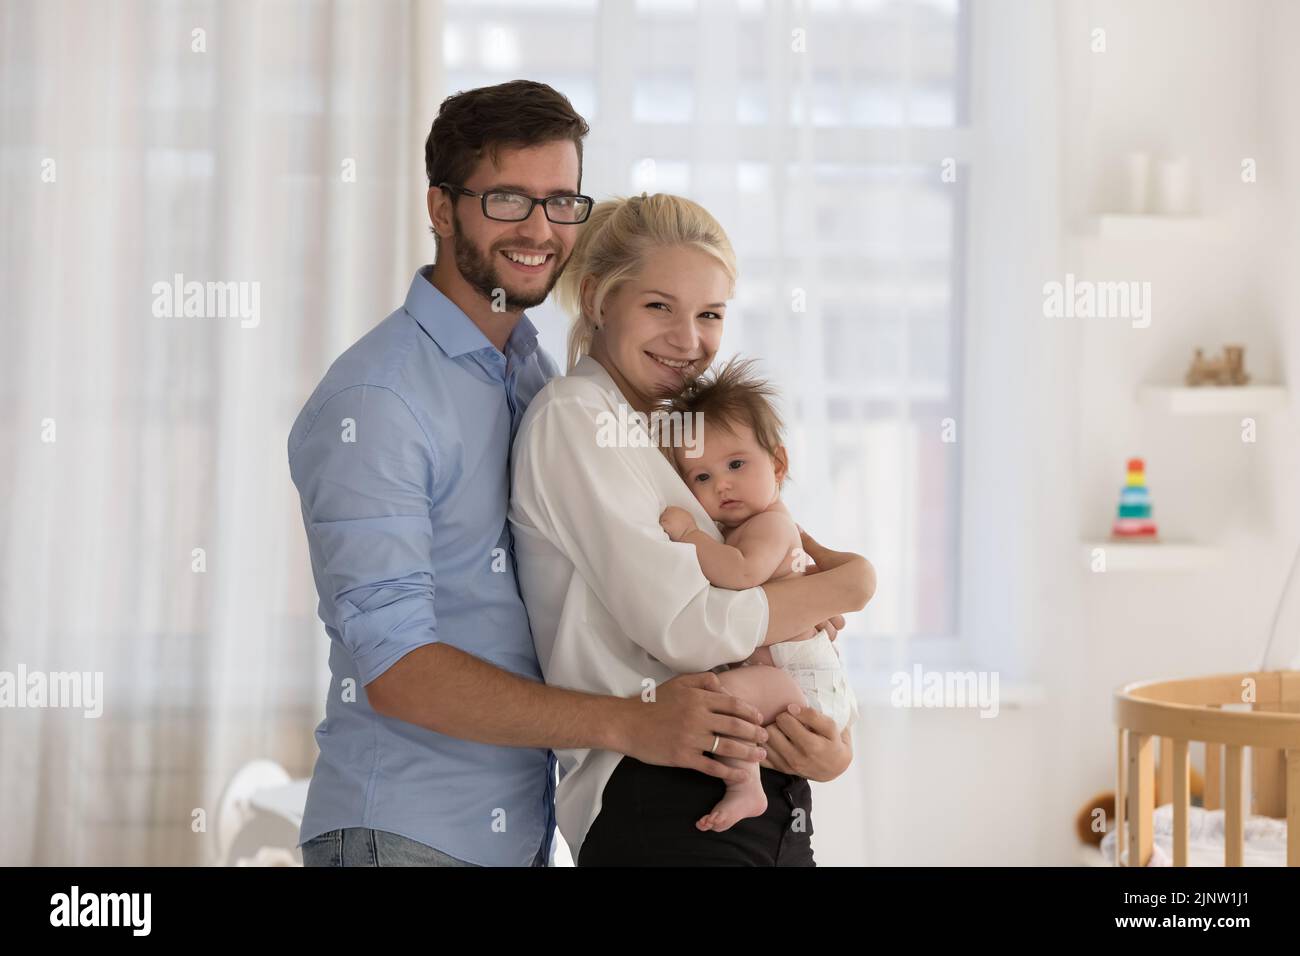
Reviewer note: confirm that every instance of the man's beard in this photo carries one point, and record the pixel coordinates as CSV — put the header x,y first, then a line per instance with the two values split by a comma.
x,y
482,273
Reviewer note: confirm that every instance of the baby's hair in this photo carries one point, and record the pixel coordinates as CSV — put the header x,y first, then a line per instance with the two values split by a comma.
x,y
735,395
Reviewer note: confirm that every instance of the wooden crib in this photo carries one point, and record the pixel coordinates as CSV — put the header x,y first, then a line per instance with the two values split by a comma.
x,y
1179,712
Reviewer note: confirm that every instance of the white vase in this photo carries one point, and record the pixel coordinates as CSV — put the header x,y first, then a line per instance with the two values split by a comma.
x,y
1138,167
1174,186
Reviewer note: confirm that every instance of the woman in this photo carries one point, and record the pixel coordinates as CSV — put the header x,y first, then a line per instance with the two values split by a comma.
x,y
615,606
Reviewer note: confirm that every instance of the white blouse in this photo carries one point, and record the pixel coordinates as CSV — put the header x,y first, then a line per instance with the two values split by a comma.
x,y
613,603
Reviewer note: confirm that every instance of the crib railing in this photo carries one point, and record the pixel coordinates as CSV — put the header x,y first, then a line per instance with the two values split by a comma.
x,y
1182,712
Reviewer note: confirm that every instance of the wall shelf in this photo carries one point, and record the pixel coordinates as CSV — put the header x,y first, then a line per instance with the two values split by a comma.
x,y
1153,555
1213,399
1145,228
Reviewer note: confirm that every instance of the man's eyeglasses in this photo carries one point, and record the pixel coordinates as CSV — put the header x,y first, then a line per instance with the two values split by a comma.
x,y
506,206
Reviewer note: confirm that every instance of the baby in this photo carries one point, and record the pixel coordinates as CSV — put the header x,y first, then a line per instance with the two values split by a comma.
x,y
737,478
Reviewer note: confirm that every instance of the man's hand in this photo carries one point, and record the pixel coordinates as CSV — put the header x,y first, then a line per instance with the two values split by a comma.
x,y
804,742
677,522
677,728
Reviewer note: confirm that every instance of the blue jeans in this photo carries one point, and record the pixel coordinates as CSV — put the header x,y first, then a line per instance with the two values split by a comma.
x,y
361,846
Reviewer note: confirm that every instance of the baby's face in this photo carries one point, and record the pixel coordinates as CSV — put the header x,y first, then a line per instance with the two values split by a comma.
x,y
733,478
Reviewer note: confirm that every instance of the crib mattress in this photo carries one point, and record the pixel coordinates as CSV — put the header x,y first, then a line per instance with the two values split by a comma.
x,y
1263,839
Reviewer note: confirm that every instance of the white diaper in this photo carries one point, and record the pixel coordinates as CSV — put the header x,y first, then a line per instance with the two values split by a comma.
x,y
816,666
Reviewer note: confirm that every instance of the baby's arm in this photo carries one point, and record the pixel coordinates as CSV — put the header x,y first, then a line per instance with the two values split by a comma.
x,y
761,545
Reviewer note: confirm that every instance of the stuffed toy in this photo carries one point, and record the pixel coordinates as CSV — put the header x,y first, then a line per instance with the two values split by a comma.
x,y
1090,832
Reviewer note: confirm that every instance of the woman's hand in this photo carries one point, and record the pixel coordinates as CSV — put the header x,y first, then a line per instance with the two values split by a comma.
x,y
805,742
856,572
677,522
832,627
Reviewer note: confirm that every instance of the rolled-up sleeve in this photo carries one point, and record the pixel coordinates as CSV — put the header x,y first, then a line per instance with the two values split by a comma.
x,y
364,470
597,506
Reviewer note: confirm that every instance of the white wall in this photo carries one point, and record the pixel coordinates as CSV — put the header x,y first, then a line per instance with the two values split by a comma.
x,y
1187,79
1278,270
1213,80
930,780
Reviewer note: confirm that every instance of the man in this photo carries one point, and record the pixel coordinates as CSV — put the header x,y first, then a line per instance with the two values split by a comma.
x,y
435,747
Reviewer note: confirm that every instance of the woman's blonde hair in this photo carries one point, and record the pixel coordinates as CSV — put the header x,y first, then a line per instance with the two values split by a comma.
x,y
612,245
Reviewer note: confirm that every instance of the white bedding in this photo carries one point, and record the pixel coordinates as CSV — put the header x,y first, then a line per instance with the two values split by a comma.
x,y
1264,839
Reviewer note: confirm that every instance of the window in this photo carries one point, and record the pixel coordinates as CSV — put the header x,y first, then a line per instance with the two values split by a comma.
x,y
821,144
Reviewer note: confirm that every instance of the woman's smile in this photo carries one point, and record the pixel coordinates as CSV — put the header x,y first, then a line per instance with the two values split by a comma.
x,y
677,370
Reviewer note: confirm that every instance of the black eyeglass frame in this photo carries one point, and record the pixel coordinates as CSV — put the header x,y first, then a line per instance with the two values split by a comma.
x,y
535,202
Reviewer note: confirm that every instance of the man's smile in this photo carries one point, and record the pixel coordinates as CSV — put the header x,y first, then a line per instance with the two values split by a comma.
x,y
529,263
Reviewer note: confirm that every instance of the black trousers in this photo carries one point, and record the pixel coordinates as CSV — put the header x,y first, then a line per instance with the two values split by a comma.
x,y
648,813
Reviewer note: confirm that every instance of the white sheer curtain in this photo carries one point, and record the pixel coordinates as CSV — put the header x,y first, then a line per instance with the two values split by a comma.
x,y
833,140
818,133
282,146
950,787
277,146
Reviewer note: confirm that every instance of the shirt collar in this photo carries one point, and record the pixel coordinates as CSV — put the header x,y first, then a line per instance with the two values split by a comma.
x,y
453,330
523,338
588,367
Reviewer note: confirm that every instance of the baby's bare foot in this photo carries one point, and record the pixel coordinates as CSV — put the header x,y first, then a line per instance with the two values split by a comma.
x,y
736,805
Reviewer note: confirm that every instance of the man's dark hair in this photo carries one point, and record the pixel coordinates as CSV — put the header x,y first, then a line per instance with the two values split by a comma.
x,y
478,122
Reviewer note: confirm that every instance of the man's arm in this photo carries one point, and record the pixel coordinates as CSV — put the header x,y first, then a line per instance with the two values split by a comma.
x,y
446,690
366,495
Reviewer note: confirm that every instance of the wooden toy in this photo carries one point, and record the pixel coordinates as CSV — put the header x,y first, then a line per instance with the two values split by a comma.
x,y
1228,369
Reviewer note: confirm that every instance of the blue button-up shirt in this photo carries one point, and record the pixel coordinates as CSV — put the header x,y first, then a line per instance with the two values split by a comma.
x,y
401,459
